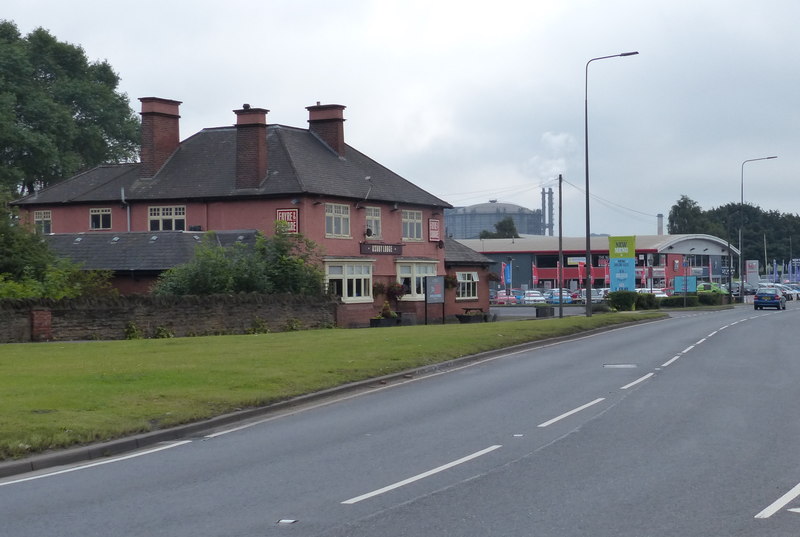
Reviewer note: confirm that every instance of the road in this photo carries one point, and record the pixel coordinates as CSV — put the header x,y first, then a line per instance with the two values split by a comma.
x,y
683,427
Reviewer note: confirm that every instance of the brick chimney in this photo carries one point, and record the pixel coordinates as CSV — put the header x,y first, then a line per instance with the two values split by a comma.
x,y
251,146
327,122
160,133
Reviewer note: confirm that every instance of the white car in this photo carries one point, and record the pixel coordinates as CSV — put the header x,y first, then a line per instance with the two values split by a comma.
x,y
533,297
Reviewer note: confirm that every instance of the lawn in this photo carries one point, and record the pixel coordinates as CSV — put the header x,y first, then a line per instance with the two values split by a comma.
x,y
57,395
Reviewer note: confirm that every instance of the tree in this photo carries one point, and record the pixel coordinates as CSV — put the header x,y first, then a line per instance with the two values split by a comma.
x,y
778,233
284,263
59,113
504,229
22,253
686,216
28,269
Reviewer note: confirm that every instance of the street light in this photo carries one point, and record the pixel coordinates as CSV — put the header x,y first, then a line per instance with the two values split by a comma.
x,y
588,263
741,223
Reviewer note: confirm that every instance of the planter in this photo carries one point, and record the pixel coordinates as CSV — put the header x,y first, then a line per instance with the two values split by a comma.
x,y
462,318
391,321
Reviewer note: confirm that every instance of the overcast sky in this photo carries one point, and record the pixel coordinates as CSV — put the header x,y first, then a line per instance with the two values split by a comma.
x,y
485,100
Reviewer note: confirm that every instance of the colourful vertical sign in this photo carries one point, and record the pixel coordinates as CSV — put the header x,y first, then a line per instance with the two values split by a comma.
x,y
622,263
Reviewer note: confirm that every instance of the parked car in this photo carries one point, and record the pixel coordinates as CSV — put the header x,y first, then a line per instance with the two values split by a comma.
x,y
748,289
769,297
533,297
710,287
789,292
597,296
554,297
658,292
503,298
518,294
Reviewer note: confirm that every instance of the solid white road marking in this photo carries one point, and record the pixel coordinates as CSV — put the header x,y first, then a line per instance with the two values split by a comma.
x,y
100,463
635,382
421,476
571,412
781,502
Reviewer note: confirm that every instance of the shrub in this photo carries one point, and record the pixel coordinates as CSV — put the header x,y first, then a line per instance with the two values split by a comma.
x,y
622,300
677,301
646,301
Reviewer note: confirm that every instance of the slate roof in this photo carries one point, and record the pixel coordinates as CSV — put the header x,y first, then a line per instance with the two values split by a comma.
x,y
204,167
156,251
456,253
141,251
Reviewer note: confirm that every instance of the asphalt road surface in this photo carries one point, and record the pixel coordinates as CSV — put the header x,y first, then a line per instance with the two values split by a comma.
x,y
683,427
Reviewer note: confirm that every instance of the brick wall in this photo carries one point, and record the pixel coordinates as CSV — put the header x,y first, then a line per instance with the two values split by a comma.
x,y
149,316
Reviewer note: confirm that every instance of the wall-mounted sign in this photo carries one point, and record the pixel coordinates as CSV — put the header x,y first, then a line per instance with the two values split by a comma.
x,y
434,234
381,249
291,217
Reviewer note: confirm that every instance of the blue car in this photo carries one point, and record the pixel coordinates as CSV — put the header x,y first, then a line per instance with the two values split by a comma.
x,y
769,297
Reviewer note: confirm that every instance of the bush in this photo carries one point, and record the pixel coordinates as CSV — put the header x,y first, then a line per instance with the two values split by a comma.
x,y
710,299
283,263
646,301
677,301
622,300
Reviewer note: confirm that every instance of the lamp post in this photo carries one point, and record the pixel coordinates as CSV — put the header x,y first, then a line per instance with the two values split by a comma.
x,y
741,223
588,285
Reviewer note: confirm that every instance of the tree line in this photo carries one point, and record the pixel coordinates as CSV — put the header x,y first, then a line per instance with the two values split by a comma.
x,y
778,232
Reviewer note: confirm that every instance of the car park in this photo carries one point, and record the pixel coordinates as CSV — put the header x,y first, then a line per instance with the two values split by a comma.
x,y
769,297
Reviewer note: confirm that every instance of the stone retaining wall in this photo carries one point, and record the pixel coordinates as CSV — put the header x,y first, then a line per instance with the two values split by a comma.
x,y
150,316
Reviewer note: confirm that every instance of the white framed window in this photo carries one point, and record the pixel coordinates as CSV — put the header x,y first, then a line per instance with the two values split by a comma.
x,y
373,215
467,285
412,276
43,222
167,218
412,225
337,220
99,218
350,280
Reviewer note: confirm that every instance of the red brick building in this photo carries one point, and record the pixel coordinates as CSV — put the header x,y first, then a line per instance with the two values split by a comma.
x,y
372,224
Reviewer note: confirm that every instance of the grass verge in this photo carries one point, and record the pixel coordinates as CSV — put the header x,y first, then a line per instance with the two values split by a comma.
x,y
57,395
